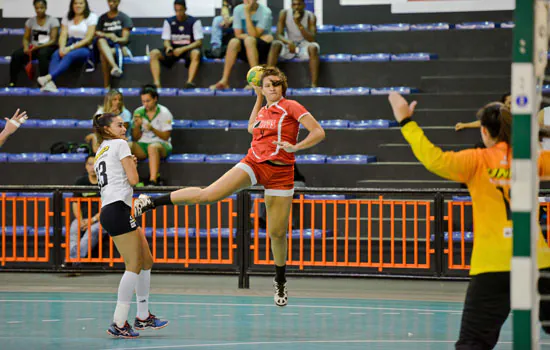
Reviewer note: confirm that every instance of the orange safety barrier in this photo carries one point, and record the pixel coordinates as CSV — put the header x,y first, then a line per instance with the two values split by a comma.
x,y
35,247
340,235
198,241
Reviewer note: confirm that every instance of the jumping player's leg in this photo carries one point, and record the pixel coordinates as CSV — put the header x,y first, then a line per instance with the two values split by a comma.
x,y
144,319
278,211
232,181
486,308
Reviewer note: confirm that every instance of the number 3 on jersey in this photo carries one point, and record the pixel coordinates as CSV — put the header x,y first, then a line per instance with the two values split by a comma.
x,y
101,171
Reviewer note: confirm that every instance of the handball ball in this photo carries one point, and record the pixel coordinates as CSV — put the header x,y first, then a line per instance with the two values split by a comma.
x,y
254,76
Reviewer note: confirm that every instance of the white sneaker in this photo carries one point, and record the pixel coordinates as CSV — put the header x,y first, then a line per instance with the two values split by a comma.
x,y
142,204
116,72
42,80
50,87
280,293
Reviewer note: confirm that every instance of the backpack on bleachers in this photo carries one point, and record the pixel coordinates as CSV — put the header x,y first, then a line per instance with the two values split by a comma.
x,y
70,147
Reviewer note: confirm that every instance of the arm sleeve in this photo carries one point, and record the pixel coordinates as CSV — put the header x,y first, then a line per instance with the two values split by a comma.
x,y
297,111
197,30
126,116
238,18
456,166
127,22
55,22
65,21
266,21
100,24
28,23
166,31
91,20
123,150
167,120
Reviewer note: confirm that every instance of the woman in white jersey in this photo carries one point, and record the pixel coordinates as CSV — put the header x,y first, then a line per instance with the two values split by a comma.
x,y
117,173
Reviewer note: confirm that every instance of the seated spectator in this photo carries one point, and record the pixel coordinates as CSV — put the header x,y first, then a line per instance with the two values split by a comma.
x,y
252,26
113,103
506,99
112,35
222,31
77,33
301,28
84,223
39,42
151,131
182,35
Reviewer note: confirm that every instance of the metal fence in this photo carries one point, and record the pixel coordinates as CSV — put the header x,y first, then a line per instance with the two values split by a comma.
x,y
331,232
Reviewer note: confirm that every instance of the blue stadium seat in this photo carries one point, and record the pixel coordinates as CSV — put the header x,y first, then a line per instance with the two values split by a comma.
x,y
238,124
326,197
3,157
196,92
430,26
353,28
16,31
334,124
85,124
57,123
170,232
181,124
4,31
224,158
136,60
393,27
68,195
351,159
203,233
337,57
213,60
168,91
5,60
326,28
38,92
371,57
462,199
354,91
475,25
8,194
311,159
186,158
372,124
306,233
456,236
420,56
68,158
207,30
546,88
234,92
146,30
130,91
210,124
28,158
85,92
15,91
318,91
508,25
35,194
31,123
403,90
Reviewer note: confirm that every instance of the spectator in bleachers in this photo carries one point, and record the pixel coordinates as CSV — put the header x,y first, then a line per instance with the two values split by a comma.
x,y
85,224
182,35
506,99
151,132
112,35
39,41
252,26
12,125
301,28
77,33
222,31
113,103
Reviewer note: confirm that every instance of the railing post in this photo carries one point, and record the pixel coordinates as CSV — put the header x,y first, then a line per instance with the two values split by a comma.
x,y
439,214
57,228
243,238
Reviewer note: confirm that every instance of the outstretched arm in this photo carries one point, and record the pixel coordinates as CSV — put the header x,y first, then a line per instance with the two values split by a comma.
x,y
12,125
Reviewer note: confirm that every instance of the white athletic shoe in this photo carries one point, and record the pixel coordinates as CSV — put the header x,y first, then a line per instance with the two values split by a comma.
x,y
142,204
280,293
42,80
50,87
116,72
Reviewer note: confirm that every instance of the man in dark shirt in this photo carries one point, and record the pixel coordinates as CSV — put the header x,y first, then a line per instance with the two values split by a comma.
x,y
182,35
112,35
86,217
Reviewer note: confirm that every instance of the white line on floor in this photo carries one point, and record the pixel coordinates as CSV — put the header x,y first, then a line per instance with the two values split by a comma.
x,y
85,319
13,322
425,313
254,314
51,320
391,313
187,316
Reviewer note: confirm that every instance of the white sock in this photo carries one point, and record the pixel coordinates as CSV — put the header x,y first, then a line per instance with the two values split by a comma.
x,y
125,293
142,294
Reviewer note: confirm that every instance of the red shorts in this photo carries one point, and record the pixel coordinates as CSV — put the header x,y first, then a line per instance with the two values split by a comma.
x,y
278,180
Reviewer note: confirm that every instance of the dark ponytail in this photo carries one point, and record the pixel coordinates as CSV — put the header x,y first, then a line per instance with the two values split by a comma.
x,y
497,119
100,123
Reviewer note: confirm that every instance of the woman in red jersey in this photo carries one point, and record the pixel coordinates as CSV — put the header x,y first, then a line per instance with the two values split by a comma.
x,y
269,162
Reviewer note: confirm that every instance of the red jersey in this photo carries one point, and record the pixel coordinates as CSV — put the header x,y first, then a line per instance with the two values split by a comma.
x,y
278,122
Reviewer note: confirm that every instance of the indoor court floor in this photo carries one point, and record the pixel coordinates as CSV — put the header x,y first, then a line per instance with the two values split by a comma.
x,y
51,311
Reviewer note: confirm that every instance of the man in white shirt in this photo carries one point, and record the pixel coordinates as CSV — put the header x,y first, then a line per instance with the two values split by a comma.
x,y
152,129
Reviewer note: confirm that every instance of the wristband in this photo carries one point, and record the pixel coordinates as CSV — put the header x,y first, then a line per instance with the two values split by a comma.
x,y
405,121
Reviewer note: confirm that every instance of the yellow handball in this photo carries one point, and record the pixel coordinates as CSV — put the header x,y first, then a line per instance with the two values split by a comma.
x,y
254,76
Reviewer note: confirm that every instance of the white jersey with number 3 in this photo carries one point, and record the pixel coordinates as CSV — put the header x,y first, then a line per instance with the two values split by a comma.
x,y
112,179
